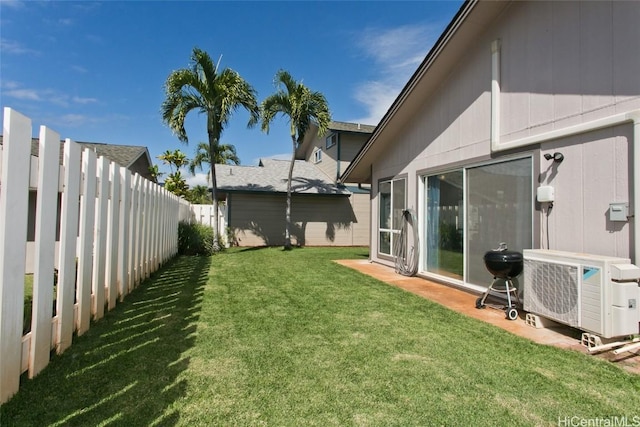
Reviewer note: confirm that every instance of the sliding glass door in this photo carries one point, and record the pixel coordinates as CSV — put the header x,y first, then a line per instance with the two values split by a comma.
x,y
470,211
499,209
444,224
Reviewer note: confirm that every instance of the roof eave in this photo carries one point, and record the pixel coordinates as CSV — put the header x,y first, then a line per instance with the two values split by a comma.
x,y
294,193
359,170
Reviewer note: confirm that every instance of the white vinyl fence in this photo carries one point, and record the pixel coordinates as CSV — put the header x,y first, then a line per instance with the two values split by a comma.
x,y
115,230
203,214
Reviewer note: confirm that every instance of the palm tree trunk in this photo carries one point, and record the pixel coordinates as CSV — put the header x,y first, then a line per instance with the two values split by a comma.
x,y
214,196
287,228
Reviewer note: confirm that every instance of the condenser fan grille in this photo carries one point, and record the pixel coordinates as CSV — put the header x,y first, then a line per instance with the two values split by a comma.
x,y
551,290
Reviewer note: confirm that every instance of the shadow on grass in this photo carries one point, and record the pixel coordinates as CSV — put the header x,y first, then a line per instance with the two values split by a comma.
x,y
251,249
361,251
126,369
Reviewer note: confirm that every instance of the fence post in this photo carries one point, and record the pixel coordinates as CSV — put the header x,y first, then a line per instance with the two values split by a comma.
x,y
153,214
113,219
45,239
142,260
13,231
85,252
100,241
68,243
135,232
175,221
146,253
161,225
158,227
123,238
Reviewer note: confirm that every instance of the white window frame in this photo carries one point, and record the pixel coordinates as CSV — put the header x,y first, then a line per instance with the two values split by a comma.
x,y
331,140
392,232
317,155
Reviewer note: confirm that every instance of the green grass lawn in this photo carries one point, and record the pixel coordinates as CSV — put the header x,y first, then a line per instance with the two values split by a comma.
x,y
266,337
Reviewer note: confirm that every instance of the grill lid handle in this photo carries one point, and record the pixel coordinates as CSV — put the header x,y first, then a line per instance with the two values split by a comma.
x,y
502,246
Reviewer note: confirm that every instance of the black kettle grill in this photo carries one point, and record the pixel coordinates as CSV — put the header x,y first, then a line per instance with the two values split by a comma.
x,y
504,265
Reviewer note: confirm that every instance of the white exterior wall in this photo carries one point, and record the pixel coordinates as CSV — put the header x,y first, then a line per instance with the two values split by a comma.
x,y
562,63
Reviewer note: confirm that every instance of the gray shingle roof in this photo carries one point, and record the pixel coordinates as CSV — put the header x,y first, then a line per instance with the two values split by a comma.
x,y
351,127
123,155
271,177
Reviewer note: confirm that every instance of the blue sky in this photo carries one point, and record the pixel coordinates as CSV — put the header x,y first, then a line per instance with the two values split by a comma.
x,y
94,71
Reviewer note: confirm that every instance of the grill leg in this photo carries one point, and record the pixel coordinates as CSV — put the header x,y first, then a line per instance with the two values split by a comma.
x,y
511,312
508,287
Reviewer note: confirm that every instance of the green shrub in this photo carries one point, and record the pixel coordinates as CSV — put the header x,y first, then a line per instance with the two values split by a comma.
x,y
195,239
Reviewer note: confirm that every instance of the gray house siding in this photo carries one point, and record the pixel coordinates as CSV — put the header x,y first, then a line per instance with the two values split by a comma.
x,y
317,221
561,64
350,144
335,159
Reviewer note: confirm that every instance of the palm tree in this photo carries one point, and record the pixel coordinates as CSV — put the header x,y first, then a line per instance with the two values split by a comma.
x,y
176,184
302,106
225,155
155,173
174,158
199,195
216,94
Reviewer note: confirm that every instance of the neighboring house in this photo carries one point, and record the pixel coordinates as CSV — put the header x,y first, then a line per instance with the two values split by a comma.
x,y
136,158
323,213
514,96
335,150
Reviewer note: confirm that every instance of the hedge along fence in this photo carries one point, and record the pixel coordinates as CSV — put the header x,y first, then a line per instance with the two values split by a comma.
x,y
115,230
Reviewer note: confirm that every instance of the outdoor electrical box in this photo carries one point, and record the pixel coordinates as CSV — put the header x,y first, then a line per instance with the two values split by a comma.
x,y
618,211
545,193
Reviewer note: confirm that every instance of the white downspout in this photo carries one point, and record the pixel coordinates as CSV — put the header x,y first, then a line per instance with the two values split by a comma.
x,y
635,115
606,122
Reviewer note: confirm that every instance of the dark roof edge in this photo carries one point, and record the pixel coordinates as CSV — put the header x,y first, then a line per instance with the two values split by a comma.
x,y
293,193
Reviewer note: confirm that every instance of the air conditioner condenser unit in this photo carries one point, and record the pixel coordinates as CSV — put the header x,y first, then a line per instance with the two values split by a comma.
x,y
594,293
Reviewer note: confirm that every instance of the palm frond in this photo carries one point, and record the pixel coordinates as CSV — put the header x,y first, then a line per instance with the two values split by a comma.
x,y
271,106
205,69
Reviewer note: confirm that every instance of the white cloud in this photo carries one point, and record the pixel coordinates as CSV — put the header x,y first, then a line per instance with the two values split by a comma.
x,y
376,96
14,4
23,94
14,90
198,179
397,52
397,47
16,48
83,101
9,84
76,120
